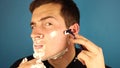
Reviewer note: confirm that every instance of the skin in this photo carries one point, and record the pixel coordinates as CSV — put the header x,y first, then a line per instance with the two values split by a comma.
x,y
47,30
50,25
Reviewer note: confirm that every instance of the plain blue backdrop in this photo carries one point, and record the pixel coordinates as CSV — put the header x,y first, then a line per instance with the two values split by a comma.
x,y
100,22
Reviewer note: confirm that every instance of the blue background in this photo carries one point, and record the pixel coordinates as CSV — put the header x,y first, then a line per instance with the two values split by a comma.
x,y
100,22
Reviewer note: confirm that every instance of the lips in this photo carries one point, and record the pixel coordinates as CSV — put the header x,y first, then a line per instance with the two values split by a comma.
x,y
38,46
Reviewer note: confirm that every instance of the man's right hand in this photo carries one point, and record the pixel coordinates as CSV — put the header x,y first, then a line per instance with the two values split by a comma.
x,y
27,64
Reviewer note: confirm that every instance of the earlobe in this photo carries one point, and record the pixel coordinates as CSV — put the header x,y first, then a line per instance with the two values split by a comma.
x,y
75,28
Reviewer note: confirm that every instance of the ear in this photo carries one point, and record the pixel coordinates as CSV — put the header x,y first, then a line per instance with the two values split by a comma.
x,y
75,28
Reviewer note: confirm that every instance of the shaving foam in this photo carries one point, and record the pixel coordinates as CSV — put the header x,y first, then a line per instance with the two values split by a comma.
x,y
38,56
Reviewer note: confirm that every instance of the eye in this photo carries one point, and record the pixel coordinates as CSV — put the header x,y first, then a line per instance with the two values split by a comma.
x,y
48,24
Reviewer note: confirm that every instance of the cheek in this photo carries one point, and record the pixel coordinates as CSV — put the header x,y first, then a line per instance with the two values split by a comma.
x,y
57,36
57,40
53,34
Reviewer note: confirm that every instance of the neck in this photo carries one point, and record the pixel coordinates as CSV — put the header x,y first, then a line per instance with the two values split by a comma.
x,y
64,61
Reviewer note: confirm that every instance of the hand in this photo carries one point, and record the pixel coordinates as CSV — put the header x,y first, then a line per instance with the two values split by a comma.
x,y
26,64
92,55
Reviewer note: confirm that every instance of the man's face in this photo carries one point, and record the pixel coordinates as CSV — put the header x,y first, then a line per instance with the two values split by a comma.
x,y
48,30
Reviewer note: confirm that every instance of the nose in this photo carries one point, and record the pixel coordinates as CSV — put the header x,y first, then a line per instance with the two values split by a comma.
x,y
37,34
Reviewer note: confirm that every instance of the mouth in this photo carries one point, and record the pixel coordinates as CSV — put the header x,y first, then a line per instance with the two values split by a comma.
x,y
38,46
39,51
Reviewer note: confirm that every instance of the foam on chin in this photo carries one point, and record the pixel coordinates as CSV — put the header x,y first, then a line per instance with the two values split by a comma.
x,y
38,55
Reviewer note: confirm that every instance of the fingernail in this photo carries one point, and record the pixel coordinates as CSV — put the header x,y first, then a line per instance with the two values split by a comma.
x,y
24,60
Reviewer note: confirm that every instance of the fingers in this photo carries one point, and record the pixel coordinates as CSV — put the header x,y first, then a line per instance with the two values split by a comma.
x,y
83,57
26,64
91,55
22,63
24,60
88,45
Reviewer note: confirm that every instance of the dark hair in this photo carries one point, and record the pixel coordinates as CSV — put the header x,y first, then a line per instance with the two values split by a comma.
x,y
69,10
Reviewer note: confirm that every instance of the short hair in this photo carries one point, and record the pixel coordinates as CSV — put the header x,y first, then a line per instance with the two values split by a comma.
x,y
69,10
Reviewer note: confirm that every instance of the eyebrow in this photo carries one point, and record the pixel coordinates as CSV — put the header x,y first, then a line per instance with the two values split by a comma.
x,y
44,18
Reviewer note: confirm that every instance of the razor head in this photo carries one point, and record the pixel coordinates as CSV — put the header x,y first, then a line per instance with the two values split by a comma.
x,y
66,32
69,31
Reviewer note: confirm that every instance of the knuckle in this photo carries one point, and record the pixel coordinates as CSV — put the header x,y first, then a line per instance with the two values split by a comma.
x,y
100,49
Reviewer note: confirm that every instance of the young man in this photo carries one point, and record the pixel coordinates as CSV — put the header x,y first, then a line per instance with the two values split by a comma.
x,y
50,19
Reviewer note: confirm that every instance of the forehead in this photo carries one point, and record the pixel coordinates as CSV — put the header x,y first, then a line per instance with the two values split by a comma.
x,y
47,9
